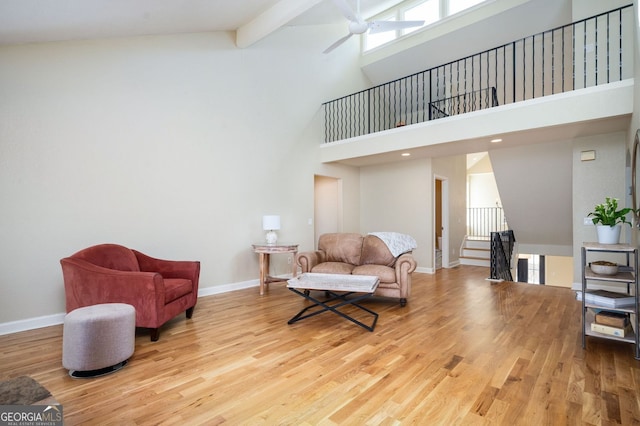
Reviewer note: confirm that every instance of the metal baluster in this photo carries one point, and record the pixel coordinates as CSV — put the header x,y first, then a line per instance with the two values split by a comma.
x,y
584,56
608,51
504,75
533,67
488,81
367,110
543,51
464,105
595,49
458,84
513,55
553,62
620,48
424,95
563,58
524,68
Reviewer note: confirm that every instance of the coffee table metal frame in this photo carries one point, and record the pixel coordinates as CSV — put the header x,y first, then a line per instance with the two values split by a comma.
x,y
338,288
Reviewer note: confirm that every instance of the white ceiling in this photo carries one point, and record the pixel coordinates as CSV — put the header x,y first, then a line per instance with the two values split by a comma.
x,y
28,21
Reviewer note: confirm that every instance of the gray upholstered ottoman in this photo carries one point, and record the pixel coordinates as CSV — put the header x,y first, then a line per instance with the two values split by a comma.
x,y
98,339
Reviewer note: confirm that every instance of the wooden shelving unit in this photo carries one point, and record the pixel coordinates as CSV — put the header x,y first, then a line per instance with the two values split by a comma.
x,y
627,275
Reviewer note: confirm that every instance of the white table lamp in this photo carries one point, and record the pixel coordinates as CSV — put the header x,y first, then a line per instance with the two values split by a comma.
x,y
271,223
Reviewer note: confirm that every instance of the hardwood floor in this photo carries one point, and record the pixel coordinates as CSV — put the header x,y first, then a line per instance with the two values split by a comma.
x,y
463,351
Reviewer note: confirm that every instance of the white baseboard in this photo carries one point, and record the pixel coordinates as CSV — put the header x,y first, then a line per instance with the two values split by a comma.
x,y
31,323
57,319
225,288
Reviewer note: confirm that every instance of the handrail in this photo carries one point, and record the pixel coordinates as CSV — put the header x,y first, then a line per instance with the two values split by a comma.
x,y
585,53
502,244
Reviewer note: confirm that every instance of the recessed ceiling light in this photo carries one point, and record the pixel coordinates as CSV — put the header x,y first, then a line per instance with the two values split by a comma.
x,y
406,154
496,140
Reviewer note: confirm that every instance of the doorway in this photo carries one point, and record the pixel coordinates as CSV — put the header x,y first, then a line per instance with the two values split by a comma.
x,y
440,223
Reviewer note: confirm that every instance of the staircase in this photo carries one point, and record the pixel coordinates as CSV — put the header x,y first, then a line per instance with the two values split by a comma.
x,y
476,252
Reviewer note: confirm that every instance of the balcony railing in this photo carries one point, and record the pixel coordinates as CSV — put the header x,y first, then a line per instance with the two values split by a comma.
x,y
587,53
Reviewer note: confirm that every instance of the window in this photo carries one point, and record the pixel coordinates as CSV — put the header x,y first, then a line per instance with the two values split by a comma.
x,y
456,6
378,39
429,11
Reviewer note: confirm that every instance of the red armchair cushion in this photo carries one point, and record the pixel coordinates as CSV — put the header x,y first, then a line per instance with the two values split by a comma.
x,y
175,288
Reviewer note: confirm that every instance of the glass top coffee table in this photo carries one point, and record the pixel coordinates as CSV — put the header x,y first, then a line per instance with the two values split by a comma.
x,y
339,288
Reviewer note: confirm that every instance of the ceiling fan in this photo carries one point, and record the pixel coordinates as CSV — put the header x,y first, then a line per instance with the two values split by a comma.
x,y
357,25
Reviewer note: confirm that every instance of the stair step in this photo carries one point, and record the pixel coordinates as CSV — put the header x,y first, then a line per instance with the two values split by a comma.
x,y
477,253
478,244
475,261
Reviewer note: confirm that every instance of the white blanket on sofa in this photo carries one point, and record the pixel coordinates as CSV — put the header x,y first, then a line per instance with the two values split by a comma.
x,y
397,243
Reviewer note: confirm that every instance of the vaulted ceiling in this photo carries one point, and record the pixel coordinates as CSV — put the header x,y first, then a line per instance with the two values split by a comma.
x,y
35,21
28,21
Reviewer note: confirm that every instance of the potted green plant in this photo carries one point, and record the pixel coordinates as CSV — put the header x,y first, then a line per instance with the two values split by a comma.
x,y
609,219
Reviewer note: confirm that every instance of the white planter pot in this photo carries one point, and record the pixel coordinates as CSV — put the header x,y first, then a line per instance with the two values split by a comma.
x,y
608,234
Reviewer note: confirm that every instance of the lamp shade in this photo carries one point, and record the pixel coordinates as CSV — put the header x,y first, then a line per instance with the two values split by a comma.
x,y
270,222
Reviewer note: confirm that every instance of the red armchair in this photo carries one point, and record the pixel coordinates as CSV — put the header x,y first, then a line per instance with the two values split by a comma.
x,y
109,273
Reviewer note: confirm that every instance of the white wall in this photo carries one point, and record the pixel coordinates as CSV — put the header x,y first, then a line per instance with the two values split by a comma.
x,y
173,145
535,186
483,191
582,9
592,182
398,197
328,202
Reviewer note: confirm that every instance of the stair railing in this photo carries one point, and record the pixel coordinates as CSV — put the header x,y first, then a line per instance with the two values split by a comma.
x,y
482,221
502,245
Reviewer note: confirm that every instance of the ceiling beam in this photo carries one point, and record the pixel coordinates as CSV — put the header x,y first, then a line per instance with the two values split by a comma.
x,y
270,20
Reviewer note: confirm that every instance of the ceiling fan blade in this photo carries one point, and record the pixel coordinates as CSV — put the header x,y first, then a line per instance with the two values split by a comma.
x,y
337,43
346,10
382,26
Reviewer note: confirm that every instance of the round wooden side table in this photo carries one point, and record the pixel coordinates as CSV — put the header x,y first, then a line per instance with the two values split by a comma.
x,y
265,250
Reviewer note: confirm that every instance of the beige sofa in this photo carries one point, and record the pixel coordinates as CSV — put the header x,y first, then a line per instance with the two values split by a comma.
x,y
349,253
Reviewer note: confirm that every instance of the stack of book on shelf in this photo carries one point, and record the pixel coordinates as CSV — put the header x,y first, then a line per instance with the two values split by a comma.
x,y
612,323
608,299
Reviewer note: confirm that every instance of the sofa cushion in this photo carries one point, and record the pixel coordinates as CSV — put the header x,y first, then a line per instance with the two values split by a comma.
x,y
341,247
376,252
174,288
385,273
333,268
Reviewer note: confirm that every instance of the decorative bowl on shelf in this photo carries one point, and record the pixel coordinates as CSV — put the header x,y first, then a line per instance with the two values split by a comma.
x,y
602,267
